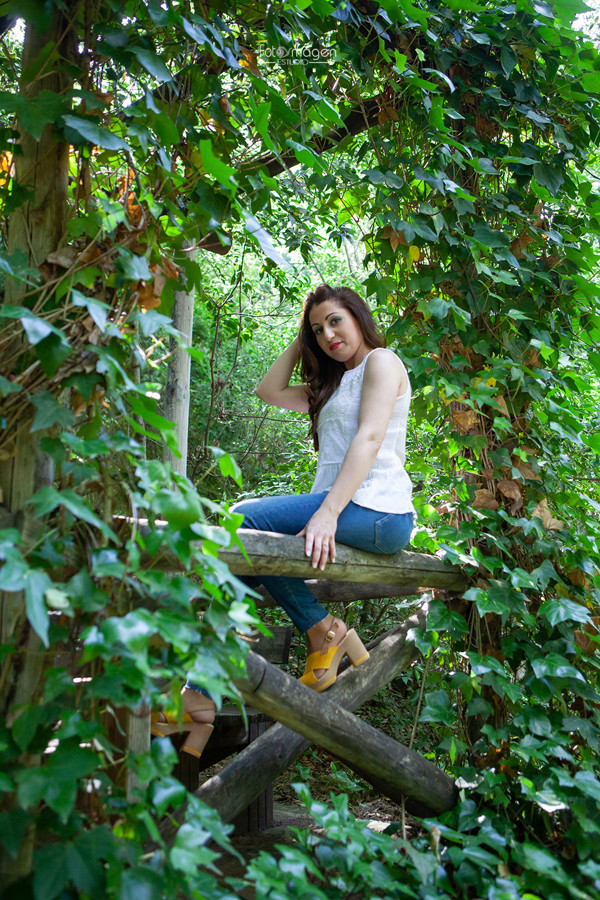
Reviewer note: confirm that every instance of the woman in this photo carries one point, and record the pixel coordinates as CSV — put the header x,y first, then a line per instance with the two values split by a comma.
x,y
357,395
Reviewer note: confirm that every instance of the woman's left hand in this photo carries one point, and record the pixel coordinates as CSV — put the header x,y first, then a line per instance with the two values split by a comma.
x,y
319,535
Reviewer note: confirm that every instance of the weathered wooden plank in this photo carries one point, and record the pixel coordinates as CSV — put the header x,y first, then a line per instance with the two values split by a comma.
x,y
270,553
345,592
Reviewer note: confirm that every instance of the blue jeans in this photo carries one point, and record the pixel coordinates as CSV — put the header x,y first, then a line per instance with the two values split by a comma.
x,y
365,529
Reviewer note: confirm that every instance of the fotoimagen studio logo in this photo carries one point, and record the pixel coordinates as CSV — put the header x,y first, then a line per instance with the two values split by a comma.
x,y
296,55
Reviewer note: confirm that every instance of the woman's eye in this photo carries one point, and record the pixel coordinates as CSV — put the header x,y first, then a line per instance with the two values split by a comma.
x,y
335,320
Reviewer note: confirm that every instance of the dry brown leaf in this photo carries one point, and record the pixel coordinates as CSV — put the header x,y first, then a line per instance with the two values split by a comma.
x,y
502,403
521,243
548,520
145,296
5,166
159,280
465,419
394,237
169,268
78,404
226,105
526,470
484,499
387,114
65,257
584,638
510,489
579,578
249,60
133,210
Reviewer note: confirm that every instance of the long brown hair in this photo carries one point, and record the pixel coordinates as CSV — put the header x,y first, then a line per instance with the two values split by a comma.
x,y
318,371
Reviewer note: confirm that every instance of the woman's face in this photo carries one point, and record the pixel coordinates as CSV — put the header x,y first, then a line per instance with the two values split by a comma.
x,y
338,333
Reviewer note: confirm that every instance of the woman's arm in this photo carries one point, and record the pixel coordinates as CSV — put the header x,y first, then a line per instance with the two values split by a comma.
x,y
275,387
384,380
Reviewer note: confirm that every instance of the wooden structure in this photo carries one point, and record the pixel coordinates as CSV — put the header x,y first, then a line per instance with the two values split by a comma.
x,y
304,715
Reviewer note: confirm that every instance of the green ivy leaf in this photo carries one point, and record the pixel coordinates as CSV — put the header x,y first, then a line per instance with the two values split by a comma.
x,y
56,781
133,267
437,708
224,174
97,310
256,231
141,883
8,387
50,872
48,498
13,571
550,177
37,112
12,829
552,665
167,792
50,412
508,59
561,609
152,63
36,585
94,134
590,81
532,856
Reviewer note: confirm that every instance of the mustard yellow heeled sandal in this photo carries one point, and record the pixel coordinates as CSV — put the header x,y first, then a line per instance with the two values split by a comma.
x,y
197,734
350,645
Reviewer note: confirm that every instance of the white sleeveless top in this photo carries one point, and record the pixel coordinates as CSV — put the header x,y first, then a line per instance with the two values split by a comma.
x,y
387,487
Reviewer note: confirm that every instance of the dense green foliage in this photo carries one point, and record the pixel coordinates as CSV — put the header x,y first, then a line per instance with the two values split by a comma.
x,y
453,142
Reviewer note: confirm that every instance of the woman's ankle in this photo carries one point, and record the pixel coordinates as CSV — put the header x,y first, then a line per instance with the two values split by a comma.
x,y
326,633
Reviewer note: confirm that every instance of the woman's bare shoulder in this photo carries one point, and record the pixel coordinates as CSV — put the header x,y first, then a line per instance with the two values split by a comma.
x,y
384,358
383,363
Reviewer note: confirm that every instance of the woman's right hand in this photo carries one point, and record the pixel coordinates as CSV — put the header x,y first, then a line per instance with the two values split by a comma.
x,y
319,537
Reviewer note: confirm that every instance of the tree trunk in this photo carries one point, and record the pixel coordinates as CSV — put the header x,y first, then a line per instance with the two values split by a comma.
x,y
394,769
177,392
36,228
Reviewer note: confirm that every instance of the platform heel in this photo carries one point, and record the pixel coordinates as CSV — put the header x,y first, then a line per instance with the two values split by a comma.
x,y
351,645
197,734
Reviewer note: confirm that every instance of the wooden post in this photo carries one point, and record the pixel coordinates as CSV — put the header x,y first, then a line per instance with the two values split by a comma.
x,y
177,391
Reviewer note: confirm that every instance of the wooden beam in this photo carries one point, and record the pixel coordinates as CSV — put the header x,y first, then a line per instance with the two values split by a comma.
x,y
345,592
270,553
283,554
